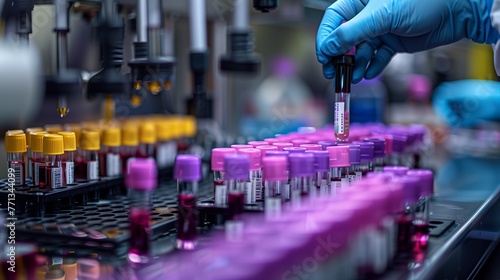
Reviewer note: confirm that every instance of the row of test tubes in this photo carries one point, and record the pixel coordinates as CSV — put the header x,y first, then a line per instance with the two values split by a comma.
x,y
56,156
310,171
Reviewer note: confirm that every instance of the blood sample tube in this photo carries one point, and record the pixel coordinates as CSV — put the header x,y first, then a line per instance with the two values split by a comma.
x,y
130,142
354,158
343,78
301,176
37,159
283,191
253,189
322,172
109,155
15,146
236,175
147,140
87,168
77,129
68,159
339,168
406,215
421,220
378,152
141,180
274,172
29,131
53,150
187,172
217,161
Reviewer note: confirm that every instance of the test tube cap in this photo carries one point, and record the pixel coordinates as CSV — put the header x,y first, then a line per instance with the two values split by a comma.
x,y
236,166
274,168
271,141
69,140
53,144
264,149
311,147
254,157
298,142
411,191
147,133
15,131
77,129
426,178
53,128
292,150
321,160
163,129
367,150
189,126
258,143
339,156
90,140
378,146
396,170
141,174
130,134
301,164
238,147
37,141
218,155
15,143
282,145
111,137
187,168
325,144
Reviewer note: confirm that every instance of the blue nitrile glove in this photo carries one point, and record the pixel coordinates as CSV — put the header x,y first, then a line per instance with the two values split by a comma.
x,y
467,103
381,28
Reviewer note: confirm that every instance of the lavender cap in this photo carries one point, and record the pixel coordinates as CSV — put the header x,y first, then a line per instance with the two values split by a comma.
x,y
270,153
142,174
426,178
236,166
410,188
399,143
293,150
325,144
396,170
321,160
367,149
187,168
354,153
301,164
379,146
419,130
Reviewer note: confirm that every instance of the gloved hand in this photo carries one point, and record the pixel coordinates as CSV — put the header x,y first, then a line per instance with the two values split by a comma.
x,y
384,27
466,103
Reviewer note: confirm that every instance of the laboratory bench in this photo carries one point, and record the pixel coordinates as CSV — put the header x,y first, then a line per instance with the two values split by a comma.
x,y
464,217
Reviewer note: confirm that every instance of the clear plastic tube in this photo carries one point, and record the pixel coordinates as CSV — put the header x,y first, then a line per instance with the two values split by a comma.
x,y
220,188
53,172
17,165
188,215
139,225
321,182
273,203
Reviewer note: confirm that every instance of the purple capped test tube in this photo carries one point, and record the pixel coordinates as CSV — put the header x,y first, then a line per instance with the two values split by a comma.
x,y
406,215
366,156
301,176
322,172
187,172
378,152
421,219
217,162
237,167
274,173
339,168
253,191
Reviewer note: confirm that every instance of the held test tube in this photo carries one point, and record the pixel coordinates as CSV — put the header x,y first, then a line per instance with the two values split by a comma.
x,y
187,172
15,146
343,78
141,180
68,159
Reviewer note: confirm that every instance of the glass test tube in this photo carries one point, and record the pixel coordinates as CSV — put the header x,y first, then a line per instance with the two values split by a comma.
x,y
421,220
236,177
355,160
217,163
253,187
187,172
15,146
37,160
147,140
29,131
141,180
378,153
406,216
343,79
322,172
274,173
53,150
130,142
339,168
366,156
301,169
68,159
87,167
109,155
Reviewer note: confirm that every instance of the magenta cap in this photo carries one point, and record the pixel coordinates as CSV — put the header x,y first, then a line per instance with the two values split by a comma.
x,y
218,155
384,176
238,147
301,164
411,191
274,168
396,170
142,174
311,147
187,168
339,156
264,149
236,167
378,146
271,141
294,150
321,160
298,142
325,144
426,178
253,156
282,145
272,153
257,143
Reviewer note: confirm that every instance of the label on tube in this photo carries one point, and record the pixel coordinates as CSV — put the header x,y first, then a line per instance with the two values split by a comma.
x,y
18,173
92,170
56,177
220,194
339,118
70,171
